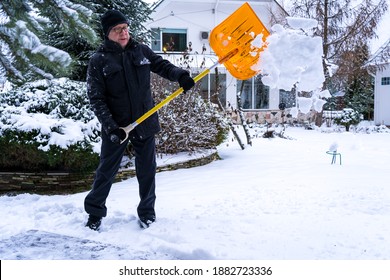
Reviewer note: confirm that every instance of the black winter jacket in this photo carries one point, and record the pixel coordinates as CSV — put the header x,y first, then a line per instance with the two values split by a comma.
x,y
118,85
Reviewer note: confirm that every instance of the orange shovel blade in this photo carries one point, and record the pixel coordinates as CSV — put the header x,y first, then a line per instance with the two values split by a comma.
x,y
244,32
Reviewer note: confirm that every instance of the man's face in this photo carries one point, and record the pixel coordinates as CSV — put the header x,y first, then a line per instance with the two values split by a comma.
x,y
120,34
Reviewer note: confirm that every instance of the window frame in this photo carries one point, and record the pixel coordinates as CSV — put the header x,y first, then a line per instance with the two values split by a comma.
x,y
385,81
285,97
159,39
208,84
252,85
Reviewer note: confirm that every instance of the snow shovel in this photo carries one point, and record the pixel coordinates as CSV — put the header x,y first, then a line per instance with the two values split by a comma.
x,y
237,41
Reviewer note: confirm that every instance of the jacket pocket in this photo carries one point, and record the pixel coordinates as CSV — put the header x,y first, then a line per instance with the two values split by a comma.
x,y
111,70
142,67
115,80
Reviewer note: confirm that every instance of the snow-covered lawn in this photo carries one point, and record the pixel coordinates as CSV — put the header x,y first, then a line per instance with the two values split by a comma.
x,y
279,199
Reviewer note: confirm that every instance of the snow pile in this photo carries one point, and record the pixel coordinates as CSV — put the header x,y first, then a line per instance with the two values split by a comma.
x,y
333,147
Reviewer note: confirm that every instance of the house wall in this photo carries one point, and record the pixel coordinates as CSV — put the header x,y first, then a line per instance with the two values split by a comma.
x,y
202,15
199,16
382,98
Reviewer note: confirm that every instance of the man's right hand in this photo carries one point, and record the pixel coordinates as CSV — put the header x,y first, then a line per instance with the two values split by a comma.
x,y
117,136
186,82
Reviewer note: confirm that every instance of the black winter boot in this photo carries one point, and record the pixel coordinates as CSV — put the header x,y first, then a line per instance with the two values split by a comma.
x,y
145,222
94,222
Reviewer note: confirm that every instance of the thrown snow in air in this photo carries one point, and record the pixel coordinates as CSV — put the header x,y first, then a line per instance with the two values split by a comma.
x,y
292,58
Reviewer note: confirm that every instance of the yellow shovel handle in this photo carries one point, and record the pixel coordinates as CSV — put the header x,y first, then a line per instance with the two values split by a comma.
x,y
133,125
169,98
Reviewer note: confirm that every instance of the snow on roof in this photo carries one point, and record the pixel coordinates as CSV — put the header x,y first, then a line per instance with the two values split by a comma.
x,y
380,57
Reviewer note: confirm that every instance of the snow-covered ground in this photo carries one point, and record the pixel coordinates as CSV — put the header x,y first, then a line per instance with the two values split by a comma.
x,y
279,199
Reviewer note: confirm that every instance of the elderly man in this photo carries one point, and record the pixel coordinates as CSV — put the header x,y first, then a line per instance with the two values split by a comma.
x,y
118,86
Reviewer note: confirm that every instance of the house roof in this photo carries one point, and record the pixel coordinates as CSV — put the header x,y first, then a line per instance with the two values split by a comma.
x,y
382,55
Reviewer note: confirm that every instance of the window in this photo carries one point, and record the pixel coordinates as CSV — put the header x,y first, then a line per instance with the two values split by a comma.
x,y
156,39
261,94
288,98
169,39
208,87
385,81
254,94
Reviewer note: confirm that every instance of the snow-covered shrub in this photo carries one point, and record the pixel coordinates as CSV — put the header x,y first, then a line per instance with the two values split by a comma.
x,y
188,122
48,125
347,118
370,127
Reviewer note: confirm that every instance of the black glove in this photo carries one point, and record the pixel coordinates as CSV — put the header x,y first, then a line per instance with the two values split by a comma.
x,y
117,136
186,82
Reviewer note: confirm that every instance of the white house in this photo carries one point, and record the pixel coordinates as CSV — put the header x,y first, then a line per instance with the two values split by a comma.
x,y
382,96
381,76
176,24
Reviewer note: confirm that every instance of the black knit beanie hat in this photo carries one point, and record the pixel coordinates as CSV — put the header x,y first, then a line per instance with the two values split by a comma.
x,y
110,19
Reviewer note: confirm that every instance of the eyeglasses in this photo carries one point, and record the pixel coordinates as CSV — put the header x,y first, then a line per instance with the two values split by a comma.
x,y
119,30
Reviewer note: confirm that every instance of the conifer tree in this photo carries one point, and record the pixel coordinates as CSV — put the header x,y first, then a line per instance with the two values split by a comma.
x,y
80,49
23,28
137,11
359,92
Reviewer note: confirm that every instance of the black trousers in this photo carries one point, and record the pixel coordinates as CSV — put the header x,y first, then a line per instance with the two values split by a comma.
x,y
110,159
